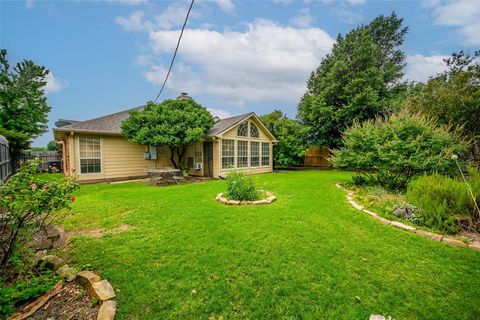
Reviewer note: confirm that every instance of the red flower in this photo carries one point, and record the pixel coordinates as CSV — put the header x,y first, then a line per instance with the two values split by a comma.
x,y
33,186
8,197
72,198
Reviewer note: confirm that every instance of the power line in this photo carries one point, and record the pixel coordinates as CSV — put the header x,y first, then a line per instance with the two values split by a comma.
x,y
176,50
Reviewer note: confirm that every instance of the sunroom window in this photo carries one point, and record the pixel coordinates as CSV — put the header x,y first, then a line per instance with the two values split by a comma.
x,y
90,155
242,154
228,154
265,154
253,130
254,154
242,130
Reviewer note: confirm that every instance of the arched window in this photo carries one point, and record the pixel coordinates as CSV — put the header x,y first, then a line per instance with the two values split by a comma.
x,y
243,129
253,130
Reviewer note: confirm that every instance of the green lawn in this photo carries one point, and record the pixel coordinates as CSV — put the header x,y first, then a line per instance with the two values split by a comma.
x,y
306,256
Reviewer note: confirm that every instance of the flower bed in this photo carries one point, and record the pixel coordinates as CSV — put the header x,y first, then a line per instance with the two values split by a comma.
x,y
269,198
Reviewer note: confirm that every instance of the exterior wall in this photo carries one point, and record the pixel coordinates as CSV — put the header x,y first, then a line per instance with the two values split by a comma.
x,y
191,149
232,135
119,159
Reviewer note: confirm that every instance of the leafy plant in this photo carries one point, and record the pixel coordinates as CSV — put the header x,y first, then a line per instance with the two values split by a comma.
x,y
172,123
240,187
24,290
445,203
391,151
27,203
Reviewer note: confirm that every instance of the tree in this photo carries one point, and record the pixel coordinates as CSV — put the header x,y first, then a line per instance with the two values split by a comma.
x,y
453,97
358,80
391,151
290,148
23,105
52,146
172,123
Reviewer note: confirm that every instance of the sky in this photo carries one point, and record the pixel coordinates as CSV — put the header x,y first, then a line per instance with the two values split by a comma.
x,y
235,56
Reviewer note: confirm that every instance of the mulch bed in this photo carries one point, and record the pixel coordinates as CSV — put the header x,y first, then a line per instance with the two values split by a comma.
x,y
71,303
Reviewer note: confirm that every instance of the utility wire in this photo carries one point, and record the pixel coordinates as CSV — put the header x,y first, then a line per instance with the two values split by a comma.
x,y
176,50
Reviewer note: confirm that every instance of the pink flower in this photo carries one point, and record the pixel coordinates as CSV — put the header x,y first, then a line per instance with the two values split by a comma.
x,y
33,186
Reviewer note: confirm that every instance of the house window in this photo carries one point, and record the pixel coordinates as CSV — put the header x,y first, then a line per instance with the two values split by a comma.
x,y
242,130
253,130
254,154
265,154
90,155
190,162
242,154
228,153
198,156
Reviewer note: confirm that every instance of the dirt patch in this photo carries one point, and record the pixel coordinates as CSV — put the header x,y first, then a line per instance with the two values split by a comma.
x,y
473,237
72,302
98,233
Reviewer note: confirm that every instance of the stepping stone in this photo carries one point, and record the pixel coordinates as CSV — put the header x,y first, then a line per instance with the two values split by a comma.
x,y
107,310
103,290
87,279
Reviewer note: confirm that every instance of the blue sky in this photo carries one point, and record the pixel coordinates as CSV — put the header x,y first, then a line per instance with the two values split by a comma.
x,y
236,56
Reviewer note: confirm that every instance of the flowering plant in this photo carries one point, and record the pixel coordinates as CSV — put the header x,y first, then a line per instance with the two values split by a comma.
x,y
27,203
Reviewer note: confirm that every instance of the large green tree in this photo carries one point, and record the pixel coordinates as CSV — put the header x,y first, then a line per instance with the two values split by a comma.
x,y
453,97
23,105
290,148
172,123
358,80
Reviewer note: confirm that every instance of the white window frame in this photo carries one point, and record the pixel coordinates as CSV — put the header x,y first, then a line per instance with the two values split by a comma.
x,y
100,140
222,156
263,155
243,156
258,154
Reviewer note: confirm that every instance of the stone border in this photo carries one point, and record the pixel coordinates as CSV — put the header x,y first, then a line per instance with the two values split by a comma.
x,y
399,225
267,200
98,289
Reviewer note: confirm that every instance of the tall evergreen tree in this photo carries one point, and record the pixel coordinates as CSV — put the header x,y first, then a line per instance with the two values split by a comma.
x,y
358,80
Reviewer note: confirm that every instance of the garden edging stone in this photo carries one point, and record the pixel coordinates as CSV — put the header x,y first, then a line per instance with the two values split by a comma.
x,y
271,198
399,225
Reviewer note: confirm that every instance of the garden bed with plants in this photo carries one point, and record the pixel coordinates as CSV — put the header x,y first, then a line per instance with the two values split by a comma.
x,y
241,190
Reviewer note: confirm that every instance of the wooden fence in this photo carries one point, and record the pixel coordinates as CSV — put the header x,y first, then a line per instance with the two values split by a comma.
x,y
317,157
51,161
5,160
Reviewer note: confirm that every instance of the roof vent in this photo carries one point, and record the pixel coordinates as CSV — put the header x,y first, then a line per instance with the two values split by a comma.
x,y
183,96
216,119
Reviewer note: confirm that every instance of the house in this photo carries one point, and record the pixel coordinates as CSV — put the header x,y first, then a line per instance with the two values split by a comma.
x,y
96,151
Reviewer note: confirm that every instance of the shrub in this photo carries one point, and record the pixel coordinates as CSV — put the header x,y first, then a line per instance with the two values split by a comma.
x,y
391,151
240,187
27,203
444,203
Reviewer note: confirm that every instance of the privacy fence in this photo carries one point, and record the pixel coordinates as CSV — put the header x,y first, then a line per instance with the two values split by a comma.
x,y
5,160
317,157
51,161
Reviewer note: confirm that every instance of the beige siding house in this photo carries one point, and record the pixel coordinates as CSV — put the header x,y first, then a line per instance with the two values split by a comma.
x,y
95,150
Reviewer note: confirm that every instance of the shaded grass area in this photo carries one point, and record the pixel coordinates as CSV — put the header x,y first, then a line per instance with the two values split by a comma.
x,y
305,256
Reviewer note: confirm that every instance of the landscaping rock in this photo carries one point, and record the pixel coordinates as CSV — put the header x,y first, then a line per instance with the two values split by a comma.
x,y
66,272
52,262
102,290
107,310
376,317
53,233
382,220
87,279
356,205
39,256
402,226
45,244
454,242
233,202
404,212
430,235
373,214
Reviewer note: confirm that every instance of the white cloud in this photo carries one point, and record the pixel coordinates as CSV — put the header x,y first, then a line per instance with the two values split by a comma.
x,y
419,67
303,20
463,14
264,62
356,2
134,22
347,15
225,5
29,4
222,114
54,84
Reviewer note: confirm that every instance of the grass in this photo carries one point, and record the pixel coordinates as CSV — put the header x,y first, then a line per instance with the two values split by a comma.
x,y
306,256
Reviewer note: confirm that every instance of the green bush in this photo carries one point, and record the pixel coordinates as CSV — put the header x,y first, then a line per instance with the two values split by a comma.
x,y
240,187
390,152
444,203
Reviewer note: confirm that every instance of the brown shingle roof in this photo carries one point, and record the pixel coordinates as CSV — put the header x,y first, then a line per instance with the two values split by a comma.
x,y
111,123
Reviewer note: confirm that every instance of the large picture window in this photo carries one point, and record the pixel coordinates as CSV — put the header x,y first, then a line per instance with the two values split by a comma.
x,y
228,154
90,155
254,154
265,154
242,154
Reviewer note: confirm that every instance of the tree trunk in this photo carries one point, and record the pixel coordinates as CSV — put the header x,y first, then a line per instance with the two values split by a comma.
x,y
172,157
